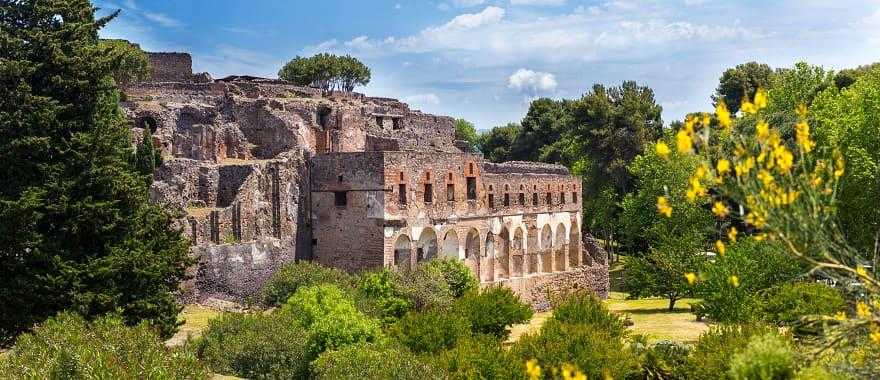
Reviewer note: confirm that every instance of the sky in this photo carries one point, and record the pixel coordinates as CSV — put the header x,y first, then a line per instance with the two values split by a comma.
x,y
485,60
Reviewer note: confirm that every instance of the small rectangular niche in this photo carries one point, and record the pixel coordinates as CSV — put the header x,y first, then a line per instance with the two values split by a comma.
x,y
429,193
522,199
450,192
471,188
492,200
340,198
395,123
534,199
574,197
402,193
506,200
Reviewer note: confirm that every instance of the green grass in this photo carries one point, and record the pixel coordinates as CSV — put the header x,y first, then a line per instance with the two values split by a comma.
x,y
195,318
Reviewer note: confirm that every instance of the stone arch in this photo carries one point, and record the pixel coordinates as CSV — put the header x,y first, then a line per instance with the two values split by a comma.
x,y
547,249
517,253
560,249
427,247
472,251
148,122
451,245
488,260
502,255
403,252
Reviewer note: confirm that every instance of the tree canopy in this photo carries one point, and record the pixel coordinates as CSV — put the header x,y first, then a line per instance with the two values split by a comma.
x,y
327,72
133,63
77,230
465,131
741,81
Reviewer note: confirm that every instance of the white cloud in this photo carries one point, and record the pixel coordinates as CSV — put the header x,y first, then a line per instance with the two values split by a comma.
x,y
162,20
422,99
538,2
490,15
467,3
532,82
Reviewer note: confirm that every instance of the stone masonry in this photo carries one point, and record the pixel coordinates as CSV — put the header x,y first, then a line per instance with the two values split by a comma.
x,y
266,172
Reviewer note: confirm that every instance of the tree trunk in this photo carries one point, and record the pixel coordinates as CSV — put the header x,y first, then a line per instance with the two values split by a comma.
x,y
672,300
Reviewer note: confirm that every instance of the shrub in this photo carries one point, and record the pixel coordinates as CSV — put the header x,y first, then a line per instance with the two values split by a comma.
x,y
597,352
457,275
256,346
380,289
492,310
293,276
370,361
585,308
758,264
431,330
785,304
331,317
477,357
426,287
662,360
68,347
767,357
711,355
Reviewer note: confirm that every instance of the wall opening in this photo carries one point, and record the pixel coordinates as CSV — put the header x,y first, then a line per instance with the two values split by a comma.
x,y
427,248
574,197
148,122
450,192
549,200
380,122
522,199
340,198
491,200
534,199
451,245
562,198
402,250
429,193
402,193
395,123
471,188
322,116
506,200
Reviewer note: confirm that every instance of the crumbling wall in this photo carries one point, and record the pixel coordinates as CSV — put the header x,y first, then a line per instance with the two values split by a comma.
x,y
171,67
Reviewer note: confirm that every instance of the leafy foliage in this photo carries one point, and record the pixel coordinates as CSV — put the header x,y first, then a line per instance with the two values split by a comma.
x,y
477,357
713,351
496,144
430,331
584,308
787,303
427,286
381,289
767,357
492,310
133,64
327,72
457,275
293,276
465,131
256,346
77,230
371,361
69,347
742,82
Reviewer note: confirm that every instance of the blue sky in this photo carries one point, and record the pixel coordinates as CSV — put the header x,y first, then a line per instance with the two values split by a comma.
x,y
483,60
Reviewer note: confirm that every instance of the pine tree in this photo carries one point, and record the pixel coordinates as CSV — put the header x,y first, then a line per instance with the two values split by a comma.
x,y
145,156
77,230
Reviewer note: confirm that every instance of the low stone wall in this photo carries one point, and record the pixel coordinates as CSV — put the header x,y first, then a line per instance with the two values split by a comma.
x,y
236,272
539,289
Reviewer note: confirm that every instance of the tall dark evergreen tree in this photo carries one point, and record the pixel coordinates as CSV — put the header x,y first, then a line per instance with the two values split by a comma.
x,y
77,230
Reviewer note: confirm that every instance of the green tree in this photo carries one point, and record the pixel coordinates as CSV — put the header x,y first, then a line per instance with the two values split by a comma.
x,y
465,131
147,157
133,64
741,81
351,73
327,72
540,138
496,143
77,230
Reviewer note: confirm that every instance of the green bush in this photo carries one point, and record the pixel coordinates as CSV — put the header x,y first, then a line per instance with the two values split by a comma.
x,y
370,361
585,308
662,360
492,310
430,331
426,287
68,347
256,346
331,317
459,277
293,276
787,303
597,352
477,357
713,351
758,264
767,357
381,291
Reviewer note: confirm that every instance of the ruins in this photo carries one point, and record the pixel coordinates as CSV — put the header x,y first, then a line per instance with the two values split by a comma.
x,y
266,172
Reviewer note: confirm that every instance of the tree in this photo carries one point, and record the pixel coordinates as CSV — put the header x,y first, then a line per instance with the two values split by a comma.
x,y
77,230
496,143
327,72
134,65
465,131
540,138
662,271
741,81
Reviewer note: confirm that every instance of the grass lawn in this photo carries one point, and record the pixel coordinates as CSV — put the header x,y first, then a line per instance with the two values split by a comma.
x,y
650,317
195,319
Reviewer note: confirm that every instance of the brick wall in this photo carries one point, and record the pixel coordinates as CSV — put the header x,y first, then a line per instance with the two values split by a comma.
x,y
171,67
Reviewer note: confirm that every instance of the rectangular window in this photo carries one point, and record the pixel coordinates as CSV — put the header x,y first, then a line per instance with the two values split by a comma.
x,y
402,193
549,199
340,198
506,200
471,187
574,197
450,192
395,123
534,199
562,198
492,200
522,199
429,193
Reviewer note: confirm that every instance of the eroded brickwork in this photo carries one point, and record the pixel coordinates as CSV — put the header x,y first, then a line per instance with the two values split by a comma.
x,y
267,172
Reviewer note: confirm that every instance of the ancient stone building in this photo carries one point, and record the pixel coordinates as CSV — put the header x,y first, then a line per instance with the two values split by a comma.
x,y
266,172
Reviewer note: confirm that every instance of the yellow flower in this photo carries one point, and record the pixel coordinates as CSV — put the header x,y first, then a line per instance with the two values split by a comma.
x,y
700,172
663,207
761,98
691,277
838,167
720,247
662,150
706,120
733,281
720,210
801,111
748,107
762,131
731,234
802,131
784,158
765,177
863,310
875,337
861,271
722,114
684,142
723,166
761,237
840,316
533,369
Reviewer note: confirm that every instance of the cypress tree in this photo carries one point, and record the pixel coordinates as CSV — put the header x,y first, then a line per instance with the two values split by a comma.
x,y
77,230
